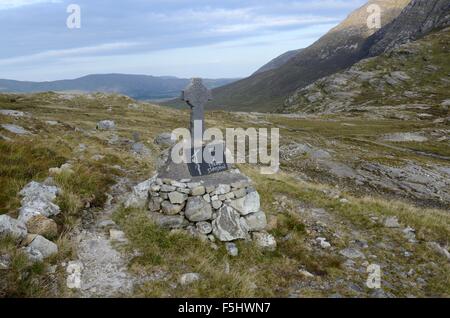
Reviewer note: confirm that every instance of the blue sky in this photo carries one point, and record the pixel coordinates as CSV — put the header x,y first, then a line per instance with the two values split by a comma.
x,y
184,38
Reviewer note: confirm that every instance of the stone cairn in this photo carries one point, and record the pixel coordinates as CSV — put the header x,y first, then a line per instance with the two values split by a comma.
x,y
220,205
226,212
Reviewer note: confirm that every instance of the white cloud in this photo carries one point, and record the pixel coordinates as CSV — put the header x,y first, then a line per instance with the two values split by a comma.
x,y
79,51
12,4
262,22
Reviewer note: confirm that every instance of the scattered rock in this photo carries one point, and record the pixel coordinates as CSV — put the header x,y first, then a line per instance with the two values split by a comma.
x,y
439,249
410,234
256,221
97,157
42,225
5,262
405,137
52,122
352,253
106,125
73,270
306,274
12,228
264,241
391,222
140,149
12,113
106,224
323,242
165,139
232,249
15,129
116,235
44,246
189,278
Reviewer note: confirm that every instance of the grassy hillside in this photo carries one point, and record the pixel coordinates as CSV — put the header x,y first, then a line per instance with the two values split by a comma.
x,y
305,201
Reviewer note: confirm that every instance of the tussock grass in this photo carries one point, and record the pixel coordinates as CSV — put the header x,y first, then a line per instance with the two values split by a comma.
x,y
20,162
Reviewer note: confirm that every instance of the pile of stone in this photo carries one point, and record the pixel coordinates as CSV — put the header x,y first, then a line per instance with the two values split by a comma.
x,y
224,212
34,230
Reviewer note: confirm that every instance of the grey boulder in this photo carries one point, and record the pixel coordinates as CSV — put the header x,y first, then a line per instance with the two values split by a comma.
x,y
256,221
198,210
264,241
106,125
165,139
12,228
248,204
228,226
44,246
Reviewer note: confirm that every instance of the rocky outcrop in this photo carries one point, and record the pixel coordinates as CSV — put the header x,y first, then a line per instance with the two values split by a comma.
x,y
394,84
418,19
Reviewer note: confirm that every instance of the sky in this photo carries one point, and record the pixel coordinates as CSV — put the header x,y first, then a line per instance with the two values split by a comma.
x,y
183,38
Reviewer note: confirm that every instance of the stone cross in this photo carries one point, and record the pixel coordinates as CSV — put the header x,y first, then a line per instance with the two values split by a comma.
x,y
196,95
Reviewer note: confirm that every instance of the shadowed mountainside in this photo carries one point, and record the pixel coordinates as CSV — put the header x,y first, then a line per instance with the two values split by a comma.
x,y
337,50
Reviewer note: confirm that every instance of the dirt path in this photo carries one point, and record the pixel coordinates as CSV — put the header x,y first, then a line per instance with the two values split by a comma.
x,y
104,272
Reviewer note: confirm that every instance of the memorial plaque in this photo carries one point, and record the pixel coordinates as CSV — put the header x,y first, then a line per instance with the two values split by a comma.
x,y
202,166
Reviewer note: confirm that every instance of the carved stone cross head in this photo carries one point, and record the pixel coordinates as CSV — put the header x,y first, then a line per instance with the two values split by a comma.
x,y
196,94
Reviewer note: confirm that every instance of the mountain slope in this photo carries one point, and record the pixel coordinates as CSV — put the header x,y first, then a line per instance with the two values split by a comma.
x,y
419,18
278,61
136,86
337,50
410,81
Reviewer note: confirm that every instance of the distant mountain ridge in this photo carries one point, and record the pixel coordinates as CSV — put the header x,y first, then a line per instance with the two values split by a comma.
x,y
141,87
340,48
